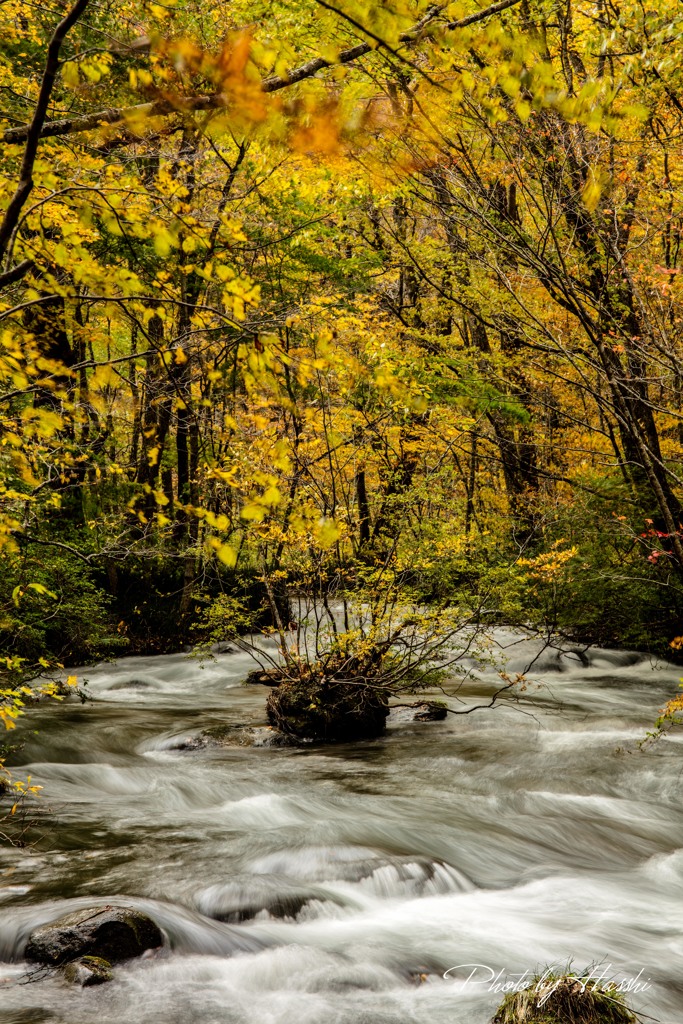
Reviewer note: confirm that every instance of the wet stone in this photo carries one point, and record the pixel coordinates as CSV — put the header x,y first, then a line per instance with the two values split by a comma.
x,y
234,736
87,971
111,933
424,711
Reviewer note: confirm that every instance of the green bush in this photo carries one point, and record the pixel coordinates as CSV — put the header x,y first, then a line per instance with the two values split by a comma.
x,y
51,609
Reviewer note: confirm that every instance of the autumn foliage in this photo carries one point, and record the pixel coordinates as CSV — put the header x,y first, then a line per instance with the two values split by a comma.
x,y
298,298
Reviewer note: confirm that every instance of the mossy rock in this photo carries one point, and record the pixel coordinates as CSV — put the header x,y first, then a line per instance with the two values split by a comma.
x,y
563,1000
87,971
218,735
328,711
109,933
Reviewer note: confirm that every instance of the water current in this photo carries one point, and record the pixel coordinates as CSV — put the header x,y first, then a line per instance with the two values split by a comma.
x,y
337,885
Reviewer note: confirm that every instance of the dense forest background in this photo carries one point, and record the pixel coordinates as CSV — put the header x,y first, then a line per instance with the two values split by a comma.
x,y
379,300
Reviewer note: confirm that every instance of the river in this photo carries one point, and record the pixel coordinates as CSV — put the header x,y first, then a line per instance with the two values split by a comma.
x,y
512,838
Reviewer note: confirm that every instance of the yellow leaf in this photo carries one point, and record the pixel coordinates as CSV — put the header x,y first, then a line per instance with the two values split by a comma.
x,y
163,240
591,193
40,589
227,555
253,511
272,496
6,719
70,74
327,533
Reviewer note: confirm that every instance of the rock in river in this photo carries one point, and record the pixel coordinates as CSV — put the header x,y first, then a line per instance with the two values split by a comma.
x,y
87,970
328,710
111,933
423,711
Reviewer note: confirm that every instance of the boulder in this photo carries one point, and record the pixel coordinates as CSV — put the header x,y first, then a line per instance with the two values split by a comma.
x,y
430,711
327,710
87,970
553,999
110,933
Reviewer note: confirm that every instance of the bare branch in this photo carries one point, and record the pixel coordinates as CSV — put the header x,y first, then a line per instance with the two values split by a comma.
x,y
16,273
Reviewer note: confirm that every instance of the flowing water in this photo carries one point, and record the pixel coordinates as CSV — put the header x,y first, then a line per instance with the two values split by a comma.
x,y
338,885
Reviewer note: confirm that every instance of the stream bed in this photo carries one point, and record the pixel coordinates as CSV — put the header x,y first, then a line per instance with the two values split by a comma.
x,y
337,885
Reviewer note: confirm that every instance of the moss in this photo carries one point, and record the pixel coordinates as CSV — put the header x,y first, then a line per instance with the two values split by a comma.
x,y
95,961
87,971
557,999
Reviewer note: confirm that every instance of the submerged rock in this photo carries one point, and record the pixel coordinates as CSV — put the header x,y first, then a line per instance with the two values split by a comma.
x,y
430,711
218,735
243,899
424,711
110,933
190,743
328,710
266,736
553,999
233,736
133,684
88,970
214,736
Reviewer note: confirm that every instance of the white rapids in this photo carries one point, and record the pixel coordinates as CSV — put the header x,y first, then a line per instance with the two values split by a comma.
x,y
339,885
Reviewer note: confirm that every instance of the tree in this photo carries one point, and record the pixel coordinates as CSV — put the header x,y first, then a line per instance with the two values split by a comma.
x,y
278,314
